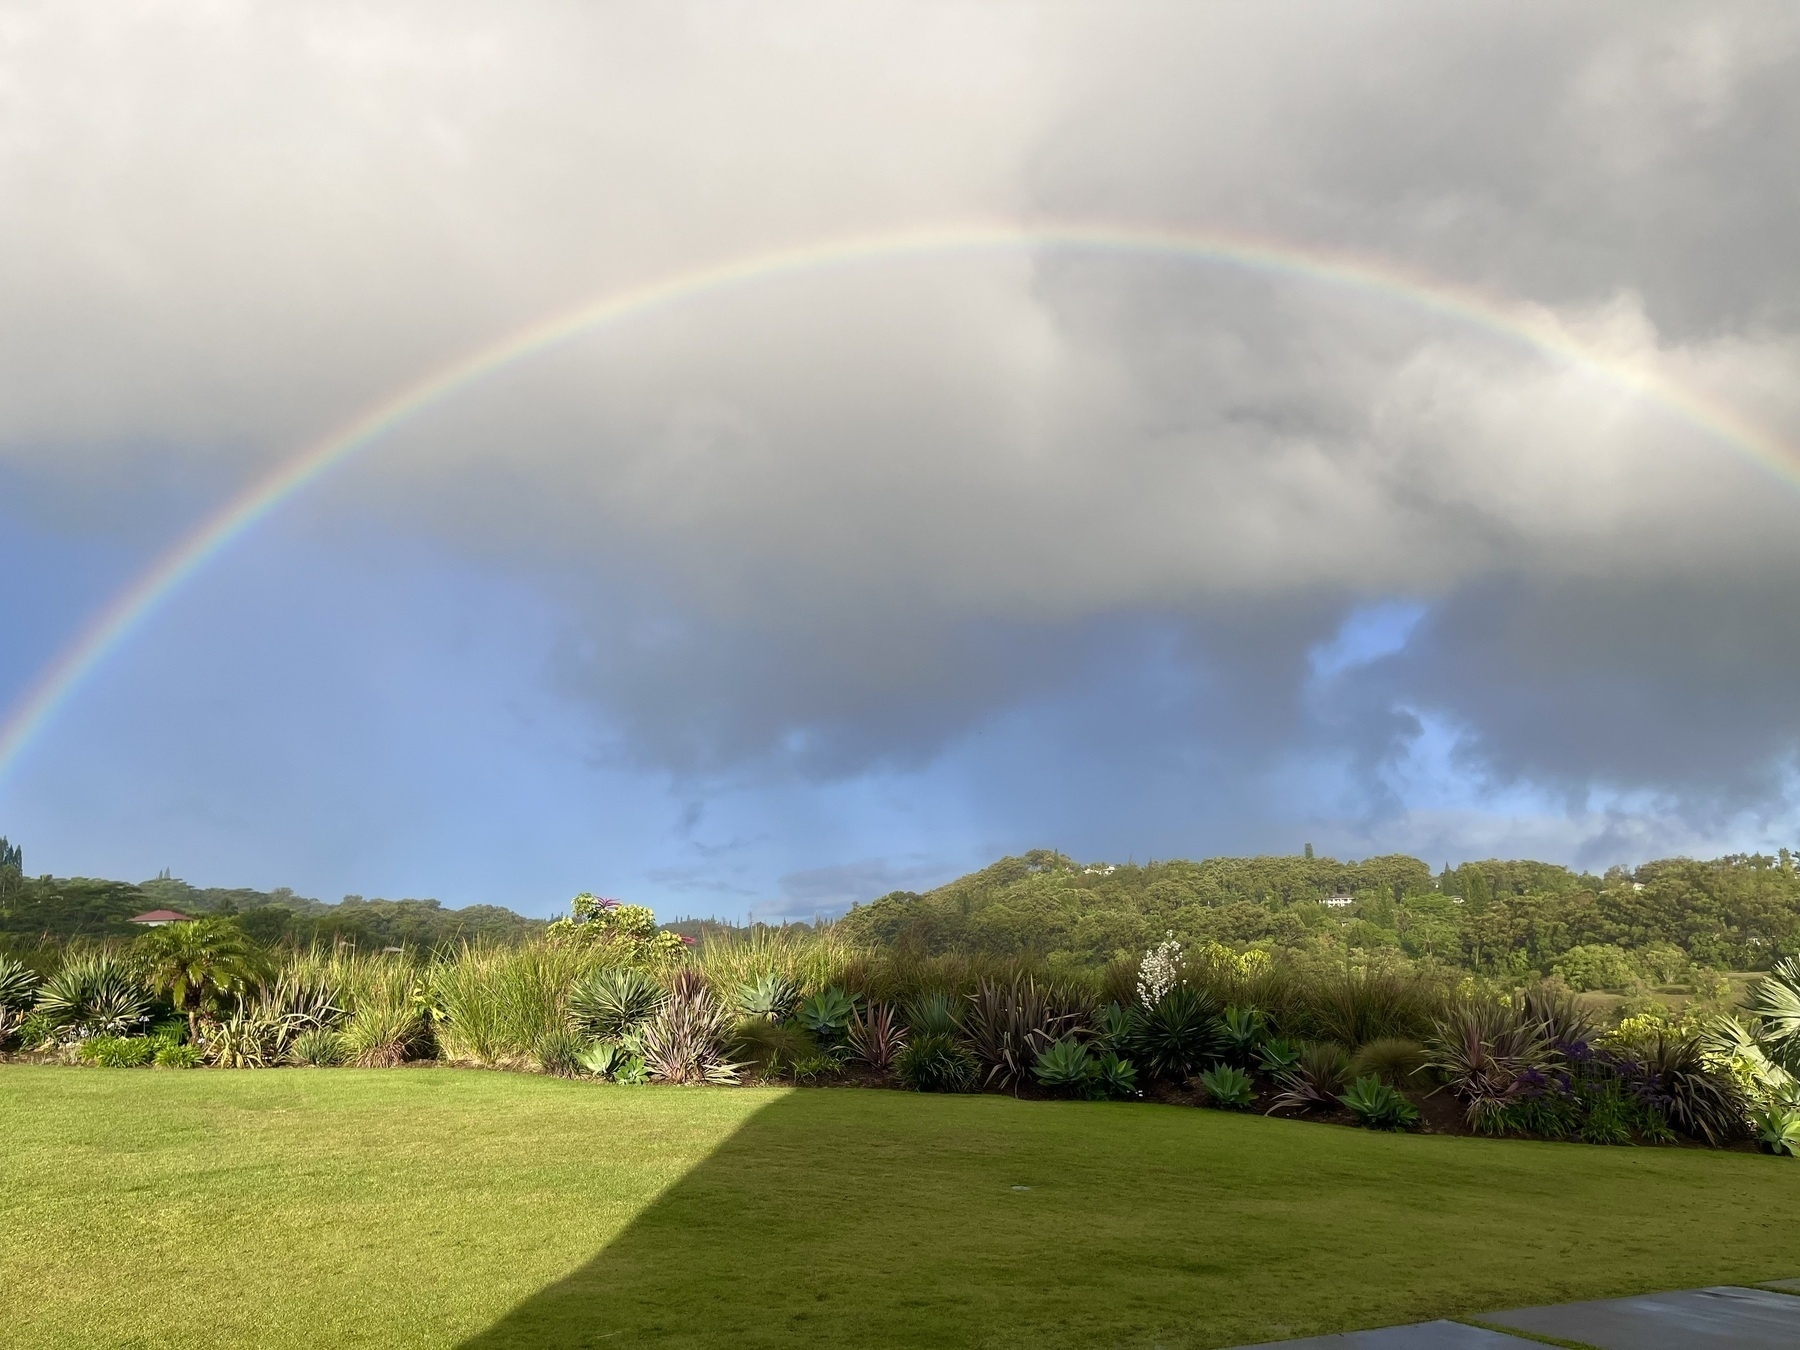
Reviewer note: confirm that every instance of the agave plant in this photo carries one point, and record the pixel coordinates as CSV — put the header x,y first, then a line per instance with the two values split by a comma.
x,y
613,1001
1377,1106
1065,1066
685,1041
1116,1025
1228,1087
1114,1077
1239,1034
1314,1080
1009,1025
771,997
93,994
876,1036
827,1015
1177,1035
1277,1056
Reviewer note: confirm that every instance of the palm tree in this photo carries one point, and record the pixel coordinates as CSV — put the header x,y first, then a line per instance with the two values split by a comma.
x,y
193,963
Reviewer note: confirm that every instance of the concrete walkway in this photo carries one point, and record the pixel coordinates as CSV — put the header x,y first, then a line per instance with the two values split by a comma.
x,y
1726,1317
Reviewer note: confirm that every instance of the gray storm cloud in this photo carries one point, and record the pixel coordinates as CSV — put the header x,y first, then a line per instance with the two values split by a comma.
x,y
844,518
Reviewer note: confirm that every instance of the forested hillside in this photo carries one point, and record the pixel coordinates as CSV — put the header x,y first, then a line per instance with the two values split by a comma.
x,y
1650,924
35,909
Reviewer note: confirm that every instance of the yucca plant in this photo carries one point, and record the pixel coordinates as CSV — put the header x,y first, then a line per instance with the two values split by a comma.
x,y
1228,1087
1314,1080
876,1035
936,1062
18,985
1376,1106
1178,1035
611,1003
93,994
933,1013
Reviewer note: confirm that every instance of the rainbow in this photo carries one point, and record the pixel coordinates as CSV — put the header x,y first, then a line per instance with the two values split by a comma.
x,y
1532,327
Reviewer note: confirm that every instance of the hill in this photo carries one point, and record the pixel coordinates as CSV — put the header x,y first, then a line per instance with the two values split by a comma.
x,y
1518,917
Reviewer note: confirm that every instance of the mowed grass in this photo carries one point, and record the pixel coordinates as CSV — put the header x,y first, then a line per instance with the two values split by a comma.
x,y
438,1207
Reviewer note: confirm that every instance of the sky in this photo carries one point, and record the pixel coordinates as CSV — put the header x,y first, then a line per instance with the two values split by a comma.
x,y
856,576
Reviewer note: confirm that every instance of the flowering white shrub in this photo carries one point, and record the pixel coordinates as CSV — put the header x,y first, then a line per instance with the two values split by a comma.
x,y
1159,971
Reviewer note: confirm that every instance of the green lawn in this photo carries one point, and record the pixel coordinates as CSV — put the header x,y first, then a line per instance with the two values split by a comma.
x,y
436,1207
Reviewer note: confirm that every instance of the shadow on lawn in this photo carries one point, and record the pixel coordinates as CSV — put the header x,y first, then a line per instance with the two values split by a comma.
x,y
697,1263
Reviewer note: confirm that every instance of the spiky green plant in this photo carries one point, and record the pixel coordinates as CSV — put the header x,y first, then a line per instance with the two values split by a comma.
x,y
118,1052
1177,1036
94,993
937,1062
1776,1002
559,1051
771,996
317,1047
18,985
1241,1031
387,1022
1228,1087
610,1003
1777,1130
933,1013
1065,1066
1376,1106
826,1015
1481,1047
1008,1025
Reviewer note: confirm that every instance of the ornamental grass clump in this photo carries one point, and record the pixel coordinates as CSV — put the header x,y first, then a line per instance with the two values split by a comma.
x,y
1393,1060
495,1004
937,1062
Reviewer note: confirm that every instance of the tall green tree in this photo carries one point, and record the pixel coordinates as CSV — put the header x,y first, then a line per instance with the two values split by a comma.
x,y
196,963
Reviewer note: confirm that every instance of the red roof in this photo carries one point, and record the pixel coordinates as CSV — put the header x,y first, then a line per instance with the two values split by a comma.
x,y
161,916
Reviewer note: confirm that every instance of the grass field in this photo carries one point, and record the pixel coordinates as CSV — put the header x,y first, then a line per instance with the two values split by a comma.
x,y
438,1207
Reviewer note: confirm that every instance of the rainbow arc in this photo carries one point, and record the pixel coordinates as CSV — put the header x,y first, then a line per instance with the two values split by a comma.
x,y
138,601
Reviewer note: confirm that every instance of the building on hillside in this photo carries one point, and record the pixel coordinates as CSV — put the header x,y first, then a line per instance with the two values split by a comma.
x,y
160,918
1339,900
